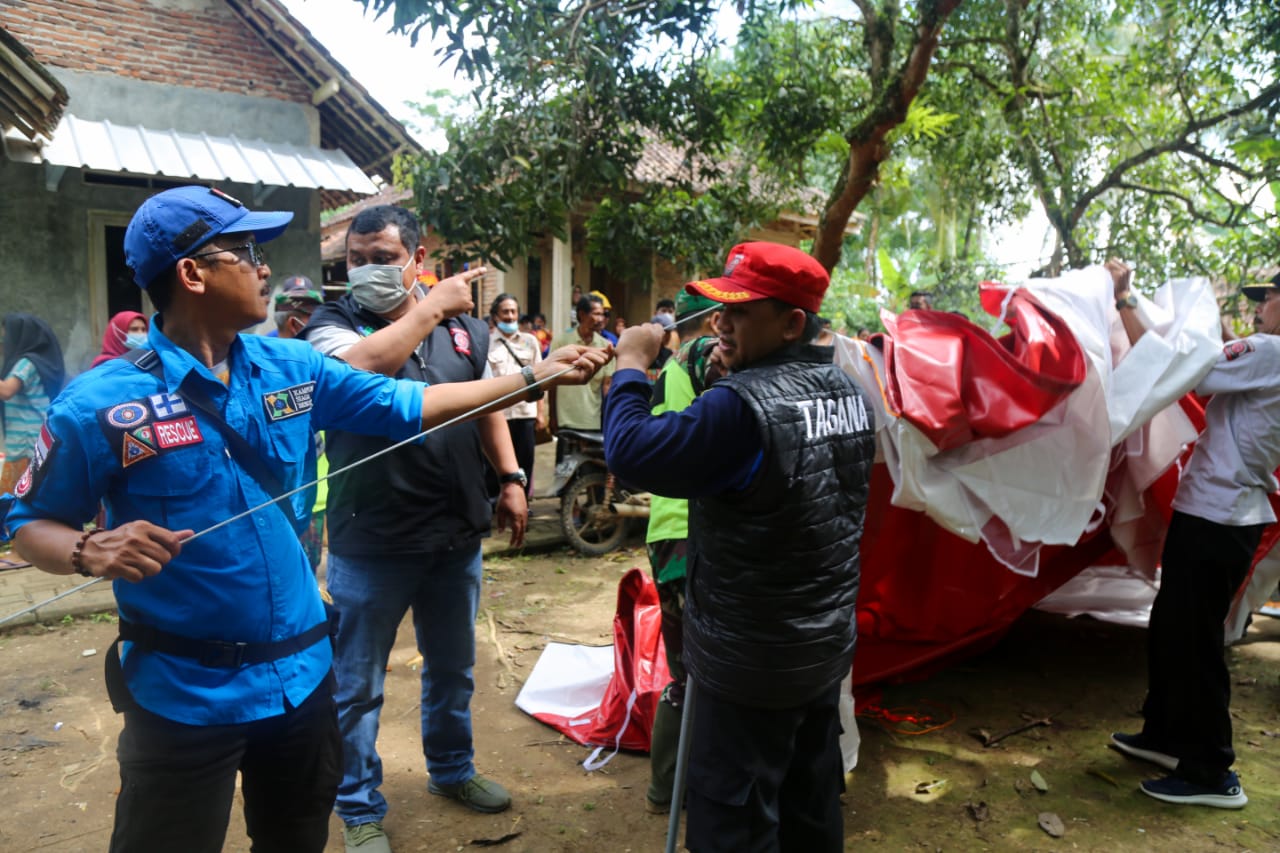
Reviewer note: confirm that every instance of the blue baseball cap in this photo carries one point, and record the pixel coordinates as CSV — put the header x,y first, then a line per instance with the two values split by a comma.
x,y
173,224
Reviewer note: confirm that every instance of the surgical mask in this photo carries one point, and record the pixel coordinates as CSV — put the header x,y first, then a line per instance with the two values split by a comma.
x,y
508,328
134,340
378,287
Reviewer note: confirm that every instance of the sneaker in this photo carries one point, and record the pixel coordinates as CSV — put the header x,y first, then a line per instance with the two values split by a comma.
x,y
477,793
1135,746
366,838
1171,789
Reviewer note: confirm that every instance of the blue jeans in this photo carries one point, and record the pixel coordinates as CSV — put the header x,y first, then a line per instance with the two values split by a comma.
x,y
372,596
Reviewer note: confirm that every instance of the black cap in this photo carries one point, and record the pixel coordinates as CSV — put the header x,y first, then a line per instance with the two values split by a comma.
x,y
1259,292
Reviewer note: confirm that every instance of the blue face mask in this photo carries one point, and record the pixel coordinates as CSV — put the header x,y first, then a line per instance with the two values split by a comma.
x,y
508,328
135,340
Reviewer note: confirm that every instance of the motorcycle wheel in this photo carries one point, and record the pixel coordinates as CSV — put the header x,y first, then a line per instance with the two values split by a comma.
x,y
591,528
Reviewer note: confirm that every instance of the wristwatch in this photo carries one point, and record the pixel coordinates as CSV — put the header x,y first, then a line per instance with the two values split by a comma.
x,y
516,476
1126,301
535,393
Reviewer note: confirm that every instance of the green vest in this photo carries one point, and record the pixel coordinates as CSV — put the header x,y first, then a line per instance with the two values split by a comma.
x,y
669,517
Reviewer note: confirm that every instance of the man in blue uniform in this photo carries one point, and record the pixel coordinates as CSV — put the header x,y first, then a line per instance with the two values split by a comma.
x,y
225,662
775,460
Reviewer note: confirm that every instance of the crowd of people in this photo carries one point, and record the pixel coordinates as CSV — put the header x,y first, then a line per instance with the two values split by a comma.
x,y
232,661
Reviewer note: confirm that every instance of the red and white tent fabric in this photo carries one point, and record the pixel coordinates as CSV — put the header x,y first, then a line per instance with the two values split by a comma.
x,y
1010,465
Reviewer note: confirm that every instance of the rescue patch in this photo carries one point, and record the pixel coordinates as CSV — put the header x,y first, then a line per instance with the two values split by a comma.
x,y
1235,349
133,450
179,433
167,406
128,415
45,445
289,402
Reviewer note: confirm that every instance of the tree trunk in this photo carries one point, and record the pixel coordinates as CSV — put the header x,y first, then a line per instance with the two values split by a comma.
x,y
868,147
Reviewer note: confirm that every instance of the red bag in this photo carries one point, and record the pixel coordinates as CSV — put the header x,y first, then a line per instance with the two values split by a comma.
x,y
624,719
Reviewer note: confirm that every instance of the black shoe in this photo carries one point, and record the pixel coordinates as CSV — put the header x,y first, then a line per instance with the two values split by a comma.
x,y
1136,746
1171,789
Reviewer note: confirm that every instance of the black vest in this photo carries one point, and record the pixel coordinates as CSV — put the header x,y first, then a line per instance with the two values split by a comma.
x,y
773,571
420,498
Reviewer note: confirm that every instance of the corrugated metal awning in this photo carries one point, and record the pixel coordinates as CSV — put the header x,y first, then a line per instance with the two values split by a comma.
x,y
103,146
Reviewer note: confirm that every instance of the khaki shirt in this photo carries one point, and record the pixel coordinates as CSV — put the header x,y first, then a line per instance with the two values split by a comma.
x,y
581,406
505,362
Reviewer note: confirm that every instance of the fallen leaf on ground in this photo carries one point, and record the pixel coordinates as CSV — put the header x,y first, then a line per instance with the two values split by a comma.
x,y
1038,780
1093,771
1052,824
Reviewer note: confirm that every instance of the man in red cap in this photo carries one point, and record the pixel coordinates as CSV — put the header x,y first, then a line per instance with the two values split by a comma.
x,y
775,460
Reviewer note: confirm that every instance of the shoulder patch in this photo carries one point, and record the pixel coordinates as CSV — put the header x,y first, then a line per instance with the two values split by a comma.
x,y
128,415
43,450
167,405
131,428
134,450
1235,349
461,339
288,402
176,433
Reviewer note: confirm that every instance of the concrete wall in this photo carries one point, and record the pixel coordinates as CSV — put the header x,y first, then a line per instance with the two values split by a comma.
x,y
161,106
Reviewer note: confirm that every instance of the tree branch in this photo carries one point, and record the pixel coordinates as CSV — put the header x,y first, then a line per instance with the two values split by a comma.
x,y
1264,98
868,146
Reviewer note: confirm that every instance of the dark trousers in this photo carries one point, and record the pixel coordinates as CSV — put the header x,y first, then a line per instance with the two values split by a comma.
x,y
1189,688
523,442
177,781
765,781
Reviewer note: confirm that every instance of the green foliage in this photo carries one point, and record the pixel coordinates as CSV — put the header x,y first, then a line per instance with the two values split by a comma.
x,y
689,229
1143,127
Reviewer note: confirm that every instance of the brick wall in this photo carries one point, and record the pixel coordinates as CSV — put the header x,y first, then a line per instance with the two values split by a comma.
x,y
200,44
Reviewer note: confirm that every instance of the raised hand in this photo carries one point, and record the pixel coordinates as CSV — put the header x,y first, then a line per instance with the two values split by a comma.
x,y
452,296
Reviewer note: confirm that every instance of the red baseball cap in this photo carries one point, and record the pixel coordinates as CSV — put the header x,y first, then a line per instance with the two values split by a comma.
x,y
767,271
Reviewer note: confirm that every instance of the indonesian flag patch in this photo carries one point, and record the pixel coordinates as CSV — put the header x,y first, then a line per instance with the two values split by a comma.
x,y
42,452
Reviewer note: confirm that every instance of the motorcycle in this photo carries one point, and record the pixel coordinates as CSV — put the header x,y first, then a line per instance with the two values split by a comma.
x,y
596,510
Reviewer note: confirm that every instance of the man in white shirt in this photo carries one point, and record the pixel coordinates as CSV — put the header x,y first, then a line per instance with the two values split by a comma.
x,y
1220,510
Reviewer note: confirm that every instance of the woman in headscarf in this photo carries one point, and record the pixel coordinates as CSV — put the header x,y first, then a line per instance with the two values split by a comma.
x,y
126,330
33,375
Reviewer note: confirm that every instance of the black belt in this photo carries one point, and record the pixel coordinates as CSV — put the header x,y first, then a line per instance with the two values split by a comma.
x,y
219,653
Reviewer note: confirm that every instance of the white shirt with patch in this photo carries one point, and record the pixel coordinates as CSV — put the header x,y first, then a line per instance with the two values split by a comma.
x,y
1232,469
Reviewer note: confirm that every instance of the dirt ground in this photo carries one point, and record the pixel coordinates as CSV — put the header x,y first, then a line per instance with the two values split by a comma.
x,y
937,791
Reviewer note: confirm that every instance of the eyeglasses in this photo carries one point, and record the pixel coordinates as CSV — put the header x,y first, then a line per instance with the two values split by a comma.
x,y
250,252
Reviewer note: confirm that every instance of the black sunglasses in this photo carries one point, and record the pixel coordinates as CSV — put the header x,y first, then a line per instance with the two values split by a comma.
x,y
250,252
